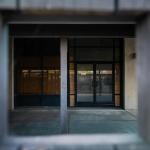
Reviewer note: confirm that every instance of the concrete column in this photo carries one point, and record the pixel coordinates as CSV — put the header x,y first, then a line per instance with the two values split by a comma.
x,y
143,75
130,75
63,97
4,77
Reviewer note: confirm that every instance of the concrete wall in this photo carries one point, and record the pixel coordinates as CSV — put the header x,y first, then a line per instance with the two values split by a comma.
x,y
130,75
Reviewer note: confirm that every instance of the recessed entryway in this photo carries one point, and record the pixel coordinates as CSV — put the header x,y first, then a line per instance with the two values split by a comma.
x,y
95,72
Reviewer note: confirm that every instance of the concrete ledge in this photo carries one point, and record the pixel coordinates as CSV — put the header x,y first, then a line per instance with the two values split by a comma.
x,y
73,5
77,5
134,5
8,4
134,147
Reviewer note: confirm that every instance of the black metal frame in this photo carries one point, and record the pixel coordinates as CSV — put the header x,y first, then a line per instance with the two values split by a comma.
x,y
122,75
113,62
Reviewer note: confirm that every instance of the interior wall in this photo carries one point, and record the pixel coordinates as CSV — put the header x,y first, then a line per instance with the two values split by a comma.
x,y
131,100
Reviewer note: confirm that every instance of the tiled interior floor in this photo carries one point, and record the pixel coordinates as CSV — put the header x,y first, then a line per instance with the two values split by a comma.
x,y
45,121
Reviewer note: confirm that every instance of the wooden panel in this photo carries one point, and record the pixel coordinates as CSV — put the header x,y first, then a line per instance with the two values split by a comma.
x,y
117,79
71,76
72,100
117,100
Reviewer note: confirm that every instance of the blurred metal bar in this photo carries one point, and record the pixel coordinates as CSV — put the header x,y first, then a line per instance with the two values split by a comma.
x,y
17,18
8,4
4,77
143,75
11,74
63,97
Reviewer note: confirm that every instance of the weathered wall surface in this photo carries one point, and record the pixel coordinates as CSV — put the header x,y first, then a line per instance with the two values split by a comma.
x,y
88,5
136,5
130,75
94,5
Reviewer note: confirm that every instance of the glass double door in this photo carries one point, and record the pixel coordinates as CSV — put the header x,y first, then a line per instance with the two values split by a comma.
x,y
94,84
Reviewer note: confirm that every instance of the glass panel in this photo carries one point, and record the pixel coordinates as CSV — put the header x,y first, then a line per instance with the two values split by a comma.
x,y
117,79
104,83
94,54
34,85
51,62
51,75
117,54
92,49
71,54
84,83
117,42
29,81
51,83
92,42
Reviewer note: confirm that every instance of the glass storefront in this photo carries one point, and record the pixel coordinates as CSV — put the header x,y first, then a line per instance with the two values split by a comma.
x,y
94,72
37,72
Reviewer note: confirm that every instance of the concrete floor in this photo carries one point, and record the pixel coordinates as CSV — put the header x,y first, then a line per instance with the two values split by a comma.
x,y
82,120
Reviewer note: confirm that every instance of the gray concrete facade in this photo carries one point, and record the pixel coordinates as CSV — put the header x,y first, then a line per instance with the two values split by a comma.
x,y
78,5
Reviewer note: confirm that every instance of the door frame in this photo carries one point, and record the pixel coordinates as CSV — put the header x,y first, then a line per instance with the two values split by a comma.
x,y
121,63
94,103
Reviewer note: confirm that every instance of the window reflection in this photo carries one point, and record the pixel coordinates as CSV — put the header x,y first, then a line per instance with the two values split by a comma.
x,y
30,81
37,72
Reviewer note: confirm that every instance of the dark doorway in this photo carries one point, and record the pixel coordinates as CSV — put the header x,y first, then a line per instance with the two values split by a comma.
x,y
37,71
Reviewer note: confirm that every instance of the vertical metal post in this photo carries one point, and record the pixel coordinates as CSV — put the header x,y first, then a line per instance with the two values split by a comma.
x,y
143,75
63,97
11,74
4,76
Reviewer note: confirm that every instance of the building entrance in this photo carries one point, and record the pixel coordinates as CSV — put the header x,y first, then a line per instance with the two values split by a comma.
x,y
94,84
95,72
